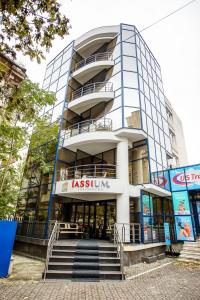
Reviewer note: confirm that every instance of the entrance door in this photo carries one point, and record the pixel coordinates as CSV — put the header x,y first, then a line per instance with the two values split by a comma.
x,y
96,218
196,215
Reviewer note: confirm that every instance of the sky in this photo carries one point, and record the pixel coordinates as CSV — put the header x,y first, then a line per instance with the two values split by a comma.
x,y
175,42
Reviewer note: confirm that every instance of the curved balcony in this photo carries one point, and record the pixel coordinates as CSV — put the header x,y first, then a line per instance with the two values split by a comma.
x,y
87,171
85,181
91,66
103,124
90,95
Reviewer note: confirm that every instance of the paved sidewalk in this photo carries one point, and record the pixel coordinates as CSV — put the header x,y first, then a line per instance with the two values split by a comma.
x,y
174,282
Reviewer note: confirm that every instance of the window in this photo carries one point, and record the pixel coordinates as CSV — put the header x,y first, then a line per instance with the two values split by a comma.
x,y
132,117
129,63
131,97
130,79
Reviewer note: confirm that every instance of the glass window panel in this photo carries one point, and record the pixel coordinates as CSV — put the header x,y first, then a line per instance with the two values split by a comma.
x,y
62,81
57,63
150,83
152,97
156,132
65,67
148,107
128,36
53,87
152,152
142,46
139,68
46,82
49,70
129,63
153,166
156,90
55,75
165,126
129,49
145,76
142,101
130,79
117,68
163,110
157,103
116,80
139,54
159,120
60,95
131,97
158,153
154,75
116,51
128,27
132,117
66,55
164,157
141,84
143,60
162,141
154,114
147,55
116,117
146,90
150,126
57,112
144,121
168,144
113,104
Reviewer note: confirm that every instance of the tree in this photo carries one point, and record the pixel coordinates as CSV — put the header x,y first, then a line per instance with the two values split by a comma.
x,y
20,110
30,26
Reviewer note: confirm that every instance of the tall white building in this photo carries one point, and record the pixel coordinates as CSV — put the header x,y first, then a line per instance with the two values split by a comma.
x,y
113,149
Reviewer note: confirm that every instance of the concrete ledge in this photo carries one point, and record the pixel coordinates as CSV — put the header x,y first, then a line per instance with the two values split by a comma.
x,y
32,247
138,247
134,254
31,240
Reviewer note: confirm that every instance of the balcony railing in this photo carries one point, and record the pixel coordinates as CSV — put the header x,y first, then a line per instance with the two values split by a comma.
x,y
92,88
103,124
87,171
93,58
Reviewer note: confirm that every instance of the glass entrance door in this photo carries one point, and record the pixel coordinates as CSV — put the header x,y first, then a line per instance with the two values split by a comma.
x,y
96,218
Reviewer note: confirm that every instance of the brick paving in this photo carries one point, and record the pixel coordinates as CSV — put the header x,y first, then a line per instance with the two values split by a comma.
x,y
173,281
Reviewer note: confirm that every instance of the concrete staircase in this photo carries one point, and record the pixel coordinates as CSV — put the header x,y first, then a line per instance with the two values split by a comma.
x,y
190,252
86,260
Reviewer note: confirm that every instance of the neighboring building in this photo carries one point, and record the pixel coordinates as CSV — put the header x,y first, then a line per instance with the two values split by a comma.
x,y
12,72
176,133
109,164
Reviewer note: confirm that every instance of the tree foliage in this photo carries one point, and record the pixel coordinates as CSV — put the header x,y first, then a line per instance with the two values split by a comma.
x,y
19,111
30,26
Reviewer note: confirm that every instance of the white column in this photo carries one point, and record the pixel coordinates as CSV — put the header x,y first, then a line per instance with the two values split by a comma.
x,y
123,209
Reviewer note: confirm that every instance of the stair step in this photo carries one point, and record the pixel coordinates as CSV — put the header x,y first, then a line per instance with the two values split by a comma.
x,y
65,274
83,265
84,258
83,252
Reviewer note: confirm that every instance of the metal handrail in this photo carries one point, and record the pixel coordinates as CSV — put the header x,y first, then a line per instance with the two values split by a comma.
x,y
93,58
87,171
53,238
92,88
103,124
120,249
134,230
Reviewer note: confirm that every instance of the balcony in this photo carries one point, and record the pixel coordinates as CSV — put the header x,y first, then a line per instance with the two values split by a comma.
x,y
90,95
83,181
103,124
91,66
87,171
